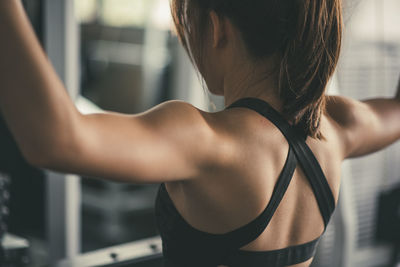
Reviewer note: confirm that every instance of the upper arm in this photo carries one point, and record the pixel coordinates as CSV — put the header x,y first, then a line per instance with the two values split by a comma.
x,y
365,127
168,143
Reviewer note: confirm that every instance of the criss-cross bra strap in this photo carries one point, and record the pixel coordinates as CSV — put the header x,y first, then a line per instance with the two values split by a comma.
x,y
255,228
304,155
246,234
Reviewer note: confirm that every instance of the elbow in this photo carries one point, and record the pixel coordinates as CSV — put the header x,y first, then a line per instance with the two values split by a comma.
x,y
40,163
39,157
52,148
44,156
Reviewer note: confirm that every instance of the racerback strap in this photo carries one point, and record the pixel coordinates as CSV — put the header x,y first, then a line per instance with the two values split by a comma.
x,y
304,155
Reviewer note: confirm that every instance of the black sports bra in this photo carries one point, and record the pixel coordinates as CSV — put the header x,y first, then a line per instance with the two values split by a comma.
x,y
185,246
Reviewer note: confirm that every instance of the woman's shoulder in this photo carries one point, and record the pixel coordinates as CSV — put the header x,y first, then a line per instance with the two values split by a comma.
x,y
224,125
228,137
179,117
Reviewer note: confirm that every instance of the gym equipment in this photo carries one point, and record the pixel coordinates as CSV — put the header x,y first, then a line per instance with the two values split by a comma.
x,y
14,251
4,199
144,253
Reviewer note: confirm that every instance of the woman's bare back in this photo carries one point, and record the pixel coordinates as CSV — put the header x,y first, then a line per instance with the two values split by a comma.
x,y
236,194
221,168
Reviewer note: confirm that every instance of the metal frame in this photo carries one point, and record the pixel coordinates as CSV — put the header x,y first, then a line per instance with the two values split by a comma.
x,y
63,191
122,255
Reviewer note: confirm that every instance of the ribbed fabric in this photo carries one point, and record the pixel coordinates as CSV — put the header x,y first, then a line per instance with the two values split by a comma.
x,y
185,246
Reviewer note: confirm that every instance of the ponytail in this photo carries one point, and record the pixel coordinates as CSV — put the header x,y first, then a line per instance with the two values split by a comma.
x,y
309,60
305,34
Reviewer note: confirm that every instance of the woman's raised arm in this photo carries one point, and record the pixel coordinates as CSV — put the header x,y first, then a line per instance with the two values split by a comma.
x,y
151,147
368,126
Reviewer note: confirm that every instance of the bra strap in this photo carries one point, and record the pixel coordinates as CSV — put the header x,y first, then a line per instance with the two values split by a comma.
x,y
305,156
244,235
255,228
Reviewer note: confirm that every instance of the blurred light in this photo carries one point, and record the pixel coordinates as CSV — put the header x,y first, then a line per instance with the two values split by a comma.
x,y
85,10
369,20
125,12
161,16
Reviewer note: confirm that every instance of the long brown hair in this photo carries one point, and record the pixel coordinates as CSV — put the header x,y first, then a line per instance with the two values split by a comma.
x,y
305,34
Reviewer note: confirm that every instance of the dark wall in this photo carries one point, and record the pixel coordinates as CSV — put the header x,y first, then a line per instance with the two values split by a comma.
x,y
27,188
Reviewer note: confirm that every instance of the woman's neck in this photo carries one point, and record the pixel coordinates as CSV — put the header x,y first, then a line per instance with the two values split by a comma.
x,y
237,86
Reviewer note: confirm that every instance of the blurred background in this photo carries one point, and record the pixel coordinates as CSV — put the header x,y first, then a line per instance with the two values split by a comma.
x,y
121,56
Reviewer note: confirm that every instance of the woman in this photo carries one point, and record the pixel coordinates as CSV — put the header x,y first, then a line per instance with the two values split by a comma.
x,y
252,185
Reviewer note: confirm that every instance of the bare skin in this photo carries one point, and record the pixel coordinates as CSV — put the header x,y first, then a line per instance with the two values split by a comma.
x,y
220,165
